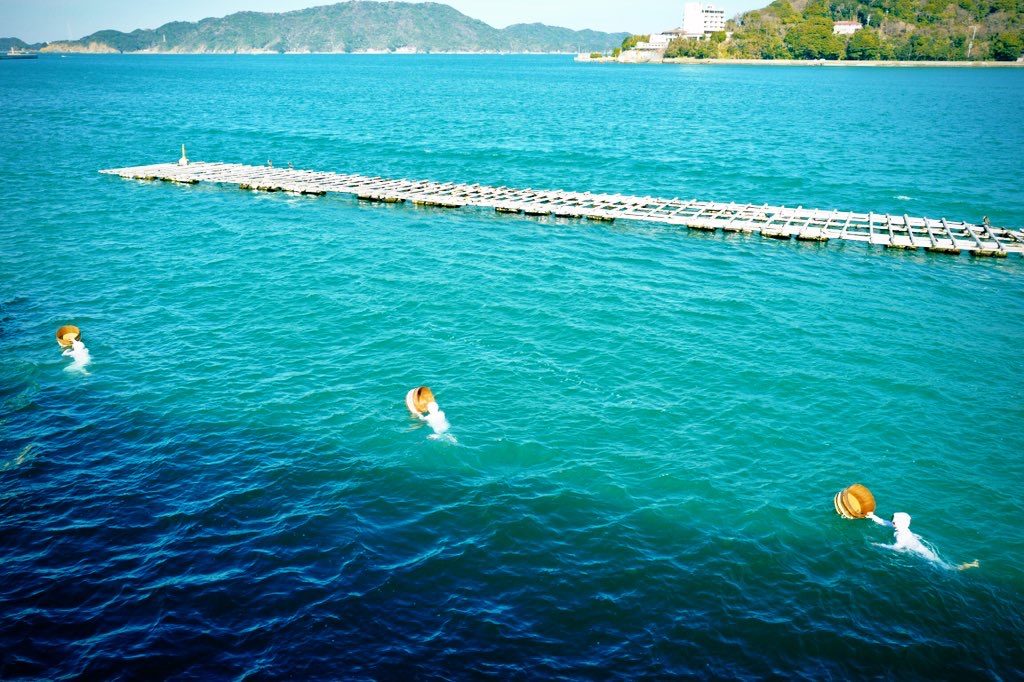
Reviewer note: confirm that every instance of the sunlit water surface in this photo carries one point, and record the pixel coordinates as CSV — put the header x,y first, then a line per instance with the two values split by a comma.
x,y
650,424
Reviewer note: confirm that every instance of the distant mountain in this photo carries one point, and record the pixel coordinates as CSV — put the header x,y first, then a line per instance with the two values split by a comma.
x,y
356,26
573,41
7,43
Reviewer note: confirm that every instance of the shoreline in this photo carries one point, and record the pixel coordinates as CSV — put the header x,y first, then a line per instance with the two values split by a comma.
x,y
581,59
845,62
872,63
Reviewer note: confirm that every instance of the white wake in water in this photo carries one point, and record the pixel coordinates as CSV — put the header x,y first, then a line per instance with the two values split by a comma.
x,y
80,357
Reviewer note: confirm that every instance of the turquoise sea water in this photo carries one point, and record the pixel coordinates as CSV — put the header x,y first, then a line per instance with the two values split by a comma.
x,y
651,424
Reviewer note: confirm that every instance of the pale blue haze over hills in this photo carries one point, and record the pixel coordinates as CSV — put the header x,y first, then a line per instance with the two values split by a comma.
x,y
49,20
356,26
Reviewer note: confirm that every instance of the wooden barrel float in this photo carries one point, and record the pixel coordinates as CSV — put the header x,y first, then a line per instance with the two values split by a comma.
x,y
67,334
418,398
855,502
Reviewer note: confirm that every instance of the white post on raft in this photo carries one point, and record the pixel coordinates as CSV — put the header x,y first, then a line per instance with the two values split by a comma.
x,y
183,161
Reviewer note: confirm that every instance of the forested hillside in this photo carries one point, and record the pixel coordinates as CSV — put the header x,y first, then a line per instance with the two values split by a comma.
x,y
7,43
894,30
344,27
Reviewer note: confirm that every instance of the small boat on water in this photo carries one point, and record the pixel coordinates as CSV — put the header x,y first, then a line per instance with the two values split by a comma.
x,y
18,53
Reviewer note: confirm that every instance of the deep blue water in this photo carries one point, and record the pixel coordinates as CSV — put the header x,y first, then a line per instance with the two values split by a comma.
x,y
650,423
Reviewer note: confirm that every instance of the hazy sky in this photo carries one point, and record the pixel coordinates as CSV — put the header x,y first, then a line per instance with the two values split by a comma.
x,y
43,20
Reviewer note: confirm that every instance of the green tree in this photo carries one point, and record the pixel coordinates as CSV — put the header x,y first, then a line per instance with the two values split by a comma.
x,y
1007,46
774,47
813,39
934,44
817,9
630,42
933,11
692,47
757,45
905,10
759,36
1009,6
864,44
784,11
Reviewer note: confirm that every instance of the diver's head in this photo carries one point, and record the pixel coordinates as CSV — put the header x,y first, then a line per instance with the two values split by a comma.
x,y
901,520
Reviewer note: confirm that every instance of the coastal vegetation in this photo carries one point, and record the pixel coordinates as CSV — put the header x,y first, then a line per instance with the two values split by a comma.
x,y
708,48
358,26
912,30
629,42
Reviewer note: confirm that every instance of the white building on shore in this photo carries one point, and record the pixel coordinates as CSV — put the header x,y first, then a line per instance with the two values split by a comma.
x,y
846,28
657,41
699,20
650,50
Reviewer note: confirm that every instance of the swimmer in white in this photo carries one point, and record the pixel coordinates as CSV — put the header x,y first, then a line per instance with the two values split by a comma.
x,y
80,354
909,541
435,417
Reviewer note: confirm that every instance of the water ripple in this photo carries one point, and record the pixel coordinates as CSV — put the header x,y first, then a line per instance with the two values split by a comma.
x,y
650,423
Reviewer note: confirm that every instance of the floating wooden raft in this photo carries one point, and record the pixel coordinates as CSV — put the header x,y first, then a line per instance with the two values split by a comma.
x,y
775,222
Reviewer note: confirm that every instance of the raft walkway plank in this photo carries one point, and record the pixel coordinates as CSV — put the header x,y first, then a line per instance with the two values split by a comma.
x,y
775,222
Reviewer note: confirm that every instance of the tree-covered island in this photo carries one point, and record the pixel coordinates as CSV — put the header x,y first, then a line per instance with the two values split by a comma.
x,y
856,30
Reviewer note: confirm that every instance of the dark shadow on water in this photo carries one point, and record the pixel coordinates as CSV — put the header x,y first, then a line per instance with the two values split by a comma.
x,y
142,547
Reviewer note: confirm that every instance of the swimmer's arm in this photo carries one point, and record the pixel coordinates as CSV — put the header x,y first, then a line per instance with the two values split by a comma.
x,y
880,522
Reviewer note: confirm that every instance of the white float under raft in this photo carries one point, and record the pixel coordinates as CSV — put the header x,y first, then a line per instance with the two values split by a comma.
x,y
773,222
